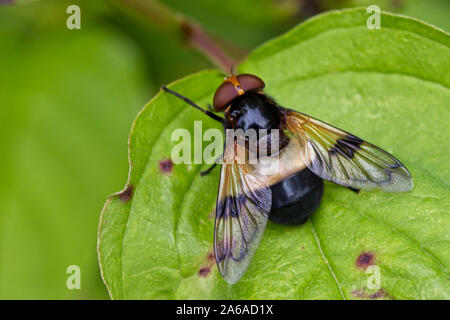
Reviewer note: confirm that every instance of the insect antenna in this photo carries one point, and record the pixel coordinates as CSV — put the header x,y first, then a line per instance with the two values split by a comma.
x,y
192,103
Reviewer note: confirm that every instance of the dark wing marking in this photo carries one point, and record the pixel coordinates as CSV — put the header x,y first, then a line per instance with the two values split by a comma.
x,y
345,159
243,205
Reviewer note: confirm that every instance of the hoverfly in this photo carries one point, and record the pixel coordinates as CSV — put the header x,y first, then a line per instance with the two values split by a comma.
x,y
310,151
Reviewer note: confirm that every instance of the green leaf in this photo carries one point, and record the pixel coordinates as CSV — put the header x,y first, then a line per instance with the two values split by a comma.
x,y
241,22
389,86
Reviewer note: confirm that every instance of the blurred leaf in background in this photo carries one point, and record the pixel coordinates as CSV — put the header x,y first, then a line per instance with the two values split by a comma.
x,y
236,25
436,12
370,84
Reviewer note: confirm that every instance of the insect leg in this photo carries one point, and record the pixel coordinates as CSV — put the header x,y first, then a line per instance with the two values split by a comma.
x,y
192,103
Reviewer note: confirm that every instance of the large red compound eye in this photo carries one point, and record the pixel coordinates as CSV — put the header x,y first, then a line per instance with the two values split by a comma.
x,y
224,95
250,82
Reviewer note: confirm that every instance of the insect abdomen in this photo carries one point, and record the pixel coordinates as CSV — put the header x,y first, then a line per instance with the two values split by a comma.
x,y
295,198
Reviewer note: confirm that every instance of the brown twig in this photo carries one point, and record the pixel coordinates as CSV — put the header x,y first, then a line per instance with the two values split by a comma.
x,y
198,39
176,24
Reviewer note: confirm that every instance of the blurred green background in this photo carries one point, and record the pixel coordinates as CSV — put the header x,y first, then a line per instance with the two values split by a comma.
x,y
67,101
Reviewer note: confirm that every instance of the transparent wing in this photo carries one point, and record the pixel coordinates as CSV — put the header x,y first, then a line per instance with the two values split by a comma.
x,y
243,205
345,159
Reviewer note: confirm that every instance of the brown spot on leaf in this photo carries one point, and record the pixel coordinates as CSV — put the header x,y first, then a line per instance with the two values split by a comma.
x,y
203,272
211,256
365,259
166,166
126,195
